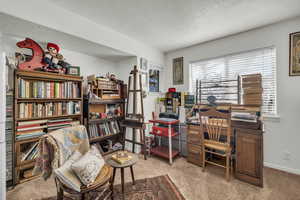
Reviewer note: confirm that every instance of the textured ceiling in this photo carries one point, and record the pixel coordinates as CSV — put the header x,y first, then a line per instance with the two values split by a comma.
x,y
21,28
173,24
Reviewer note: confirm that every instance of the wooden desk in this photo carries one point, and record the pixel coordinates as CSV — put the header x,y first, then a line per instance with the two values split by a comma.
x,y
248,146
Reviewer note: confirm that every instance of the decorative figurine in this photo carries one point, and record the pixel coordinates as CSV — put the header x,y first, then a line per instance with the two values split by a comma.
x,y
36,62
52,58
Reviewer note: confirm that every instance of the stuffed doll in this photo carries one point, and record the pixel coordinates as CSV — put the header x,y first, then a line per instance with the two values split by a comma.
x,y
52,58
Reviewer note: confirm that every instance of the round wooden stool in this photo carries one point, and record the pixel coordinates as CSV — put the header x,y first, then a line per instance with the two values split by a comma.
x,y
117,165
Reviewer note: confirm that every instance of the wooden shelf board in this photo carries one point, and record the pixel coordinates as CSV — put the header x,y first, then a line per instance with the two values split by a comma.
x,y
163,152
27,140
46,99
29,178
164,135
112,101
91,121
97,139
50,117
39,75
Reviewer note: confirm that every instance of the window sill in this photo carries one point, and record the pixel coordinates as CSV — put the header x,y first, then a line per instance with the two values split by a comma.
x,y
271,118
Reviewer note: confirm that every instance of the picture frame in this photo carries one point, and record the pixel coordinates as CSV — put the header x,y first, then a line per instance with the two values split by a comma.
x,y
294,54
73,70
144,64
154,80
178,71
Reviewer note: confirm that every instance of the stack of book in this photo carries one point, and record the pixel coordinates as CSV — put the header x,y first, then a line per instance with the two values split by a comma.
x,y
121,157
44,89
30,129
9,136
60,123
30,153
33,110
104,129
252,89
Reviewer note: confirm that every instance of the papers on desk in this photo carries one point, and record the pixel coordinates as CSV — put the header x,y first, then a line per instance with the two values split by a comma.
x,y
244,116
167,119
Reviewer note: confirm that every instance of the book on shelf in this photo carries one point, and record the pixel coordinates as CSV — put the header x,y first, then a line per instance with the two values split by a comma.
x,y
37,128
32,122
37,110
30,135
30,152
46,89
61,123
104,129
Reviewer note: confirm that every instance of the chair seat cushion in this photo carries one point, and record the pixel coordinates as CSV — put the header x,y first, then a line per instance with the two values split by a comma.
x,y
103,177
66,175
88,166
217,145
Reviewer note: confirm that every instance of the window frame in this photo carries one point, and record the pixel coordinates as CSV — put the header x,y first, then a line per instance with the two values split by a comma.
x,y
273,115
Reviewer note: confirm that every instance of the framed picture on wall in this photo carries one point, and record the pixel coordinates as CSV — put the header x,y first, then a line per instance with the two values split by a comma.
x,y
144,64
153,80
178,71
294,54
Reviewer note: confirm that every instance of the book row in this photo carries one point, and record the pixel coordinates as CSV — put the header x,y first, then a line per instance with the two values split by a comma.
x,y
30,152
35,110
103,129
37,128
43,89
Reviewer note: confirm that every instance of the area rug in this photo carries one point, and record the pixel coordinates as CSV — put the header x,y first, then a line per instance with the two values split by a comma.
x,y
156,188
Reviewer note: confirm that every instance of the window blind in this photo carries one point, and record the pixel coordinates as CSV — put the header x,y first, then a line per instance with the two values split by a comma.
x,y
229,67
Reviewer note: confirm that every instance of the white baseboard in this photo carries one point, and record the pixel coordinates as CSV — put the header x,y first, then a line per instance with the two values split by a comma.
x,y
286,169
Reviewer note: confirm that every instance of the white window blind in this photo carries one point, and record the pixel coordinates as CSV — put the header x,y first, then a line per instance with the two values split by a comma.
x,y
229,67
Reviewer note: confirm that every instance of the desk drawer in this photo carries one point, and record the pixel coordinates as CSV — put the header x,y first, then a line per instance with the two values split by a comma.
x,y
195,154
194,136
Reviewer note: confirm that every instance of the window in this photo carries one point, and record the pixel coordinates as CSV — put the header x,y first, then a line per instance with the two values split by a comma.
x,y
229,67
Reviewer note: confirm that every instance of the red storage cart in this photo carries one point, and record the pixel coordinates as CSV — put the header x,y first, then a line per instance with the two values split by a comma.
x,y
169,131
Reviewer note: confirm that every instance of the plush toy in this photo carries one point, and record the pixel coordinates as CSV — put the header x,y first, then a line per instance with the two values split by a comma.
x,y
52,59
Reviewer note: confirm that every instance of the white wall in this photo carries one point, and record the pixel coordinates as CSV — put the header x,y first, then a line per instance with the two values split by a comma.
x,y
123,69
282,135
2,124
88,64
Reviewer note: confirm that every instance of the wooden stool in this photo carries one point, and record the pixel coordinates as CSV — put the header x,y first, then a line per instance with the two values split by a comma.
x,y
117,165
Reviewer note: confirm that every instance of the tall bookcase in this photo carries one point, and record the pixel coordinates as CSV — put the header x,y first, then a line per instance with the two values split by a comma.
x,y
43,102
102,116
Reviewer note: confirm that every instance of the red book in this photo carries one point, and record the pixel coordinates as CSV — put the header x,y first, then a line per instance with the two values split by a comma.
x,y
28,126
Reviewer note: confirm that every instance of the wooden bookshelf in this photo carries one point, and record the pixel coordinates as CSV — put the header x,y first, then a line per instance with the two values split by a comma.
x,y
101,105
69,93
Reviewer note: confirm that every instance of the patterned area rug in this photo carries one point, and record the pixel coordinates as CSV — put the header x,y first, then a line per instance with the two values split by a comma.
x,y
156,188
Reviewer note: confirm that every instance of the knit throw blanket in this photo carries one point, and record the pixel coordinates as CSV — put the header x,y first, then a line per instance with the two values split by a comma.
x,y
56,147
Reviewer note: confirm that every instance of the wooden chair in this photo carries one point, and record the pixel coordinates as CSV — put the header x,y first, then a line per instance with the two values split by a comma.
x,y
102,185
214,124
